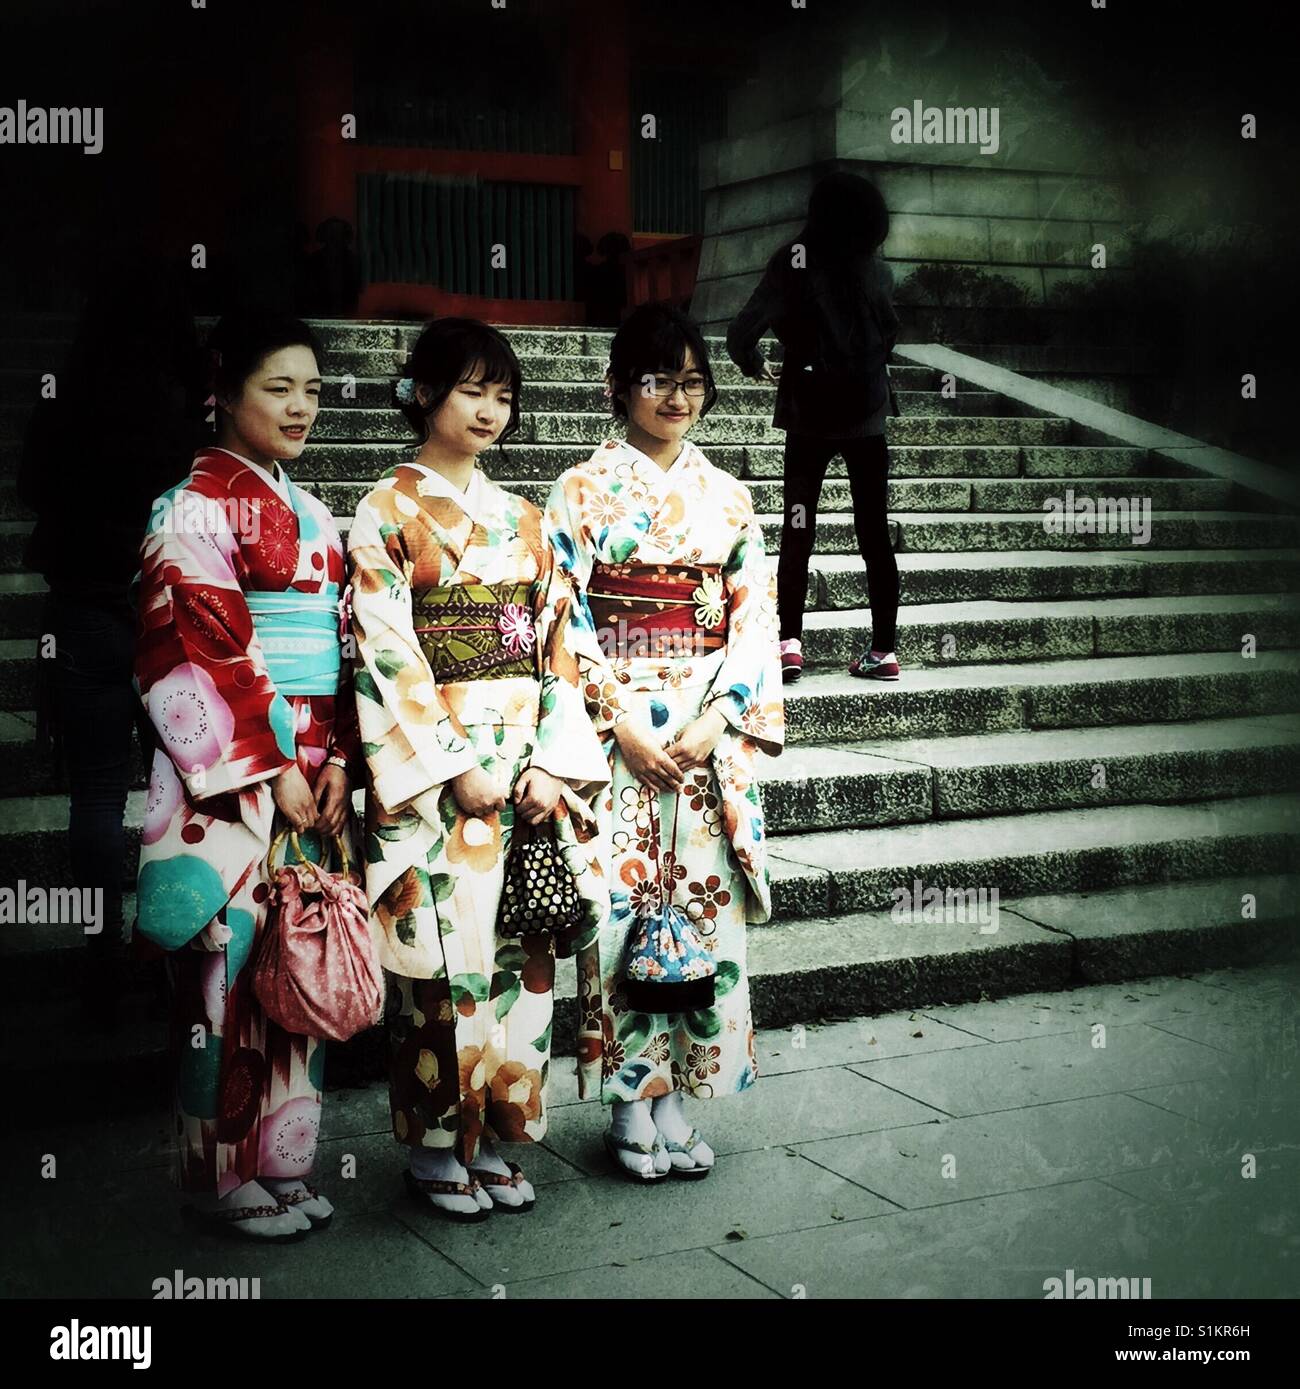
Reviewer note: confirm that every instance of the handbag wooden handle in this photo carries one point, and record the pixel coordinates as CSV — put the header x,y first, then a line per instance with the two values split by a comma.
x,y
302,858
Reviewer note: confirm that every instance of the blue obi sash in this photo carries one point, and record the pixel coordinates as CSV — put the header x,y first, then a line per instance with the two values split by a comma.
x,y
299,634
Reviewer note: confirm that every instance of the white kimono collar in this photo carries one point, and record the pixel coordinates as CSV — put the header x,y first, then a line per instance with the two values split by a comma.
x,y
646,465
474,500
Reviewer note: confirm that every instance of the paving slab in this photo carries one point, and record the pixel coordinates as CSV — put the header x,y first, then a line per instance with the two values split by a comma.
x,y
1040,1070
1066,1010
813,1046
694,1275
780,1110
1008,1246
587,1224
984,1155
1276,1177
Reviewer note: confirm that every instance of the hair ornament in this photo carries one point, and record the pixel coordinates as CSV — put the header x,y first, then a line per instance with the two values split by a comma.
x,y
406,391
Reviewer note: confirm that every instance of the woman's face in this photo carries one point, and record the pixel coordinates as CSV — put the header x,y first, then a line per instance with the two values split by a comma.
x,y
665,417
275,409
473,415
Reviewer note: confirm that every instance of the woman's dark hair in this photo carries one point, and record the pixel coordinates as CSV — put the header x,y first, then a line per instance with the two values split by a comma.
x,y
655,337
241,340
446,354
847,224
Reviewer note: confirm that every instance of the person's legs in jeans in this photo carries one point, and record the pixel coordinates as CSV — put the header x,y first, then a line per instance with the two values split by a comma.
x,y
97,710
806,460
868,469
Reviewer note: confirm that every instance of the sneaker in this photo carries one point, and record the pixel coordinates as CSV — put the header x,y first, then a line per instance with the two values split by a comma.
x,y
871,667
791,660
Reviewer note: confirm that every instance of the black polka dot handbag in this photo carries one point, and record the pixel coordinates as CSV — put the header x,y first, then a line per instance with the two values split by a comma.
x,y
539,896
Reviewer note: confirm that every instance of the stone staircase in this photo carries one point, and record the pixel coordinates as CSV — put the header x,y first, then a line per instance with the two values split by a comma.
x,y
1076,726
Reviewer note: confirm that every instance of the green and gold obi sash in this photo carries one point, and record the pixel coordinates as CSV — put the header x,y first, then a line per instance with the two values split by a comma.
x,y
476,631
299,636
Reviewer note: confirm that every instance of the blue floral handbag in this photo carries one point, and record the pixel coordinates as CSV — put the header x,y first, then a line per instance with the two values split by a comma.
x,y
668,968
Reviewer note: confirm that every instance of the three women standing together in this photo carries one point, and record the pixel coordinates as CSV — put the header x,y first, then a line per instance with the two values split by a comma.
x,y
606,667
603,667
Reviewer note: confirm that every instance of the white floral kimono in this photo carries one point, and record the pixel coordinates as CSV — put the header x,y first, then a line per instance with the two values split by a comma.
x,y
620,522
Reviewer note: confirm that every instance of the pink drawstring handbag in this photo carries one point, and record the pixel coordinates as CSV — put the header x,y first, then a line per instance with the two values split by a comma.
x,y
318,973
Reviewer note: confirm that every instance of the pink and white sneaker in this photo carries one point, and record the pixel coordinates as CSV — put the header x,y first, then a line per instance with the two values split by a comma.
x,y
791,660
873,666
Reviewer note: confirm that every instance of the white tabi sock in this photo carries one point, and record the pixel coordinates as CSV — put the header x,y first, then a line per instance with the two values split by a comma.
x,y
672,1123
442,1165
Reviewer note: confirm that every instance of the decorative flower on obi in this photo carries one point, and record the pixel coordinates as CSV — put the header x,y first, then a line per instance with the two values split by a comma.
x,y
345,612
516,627
709,597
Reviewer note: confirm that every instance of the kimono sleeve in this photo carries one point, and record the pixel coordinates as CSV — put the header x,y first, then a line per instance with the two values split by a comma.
x,y
747,686
563,533
345,736
198,664
748,327
568,745
412,742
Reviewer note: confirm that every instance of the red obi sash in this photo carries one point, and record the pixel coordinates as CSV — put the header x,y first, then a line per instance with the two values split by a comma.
x,y
658,610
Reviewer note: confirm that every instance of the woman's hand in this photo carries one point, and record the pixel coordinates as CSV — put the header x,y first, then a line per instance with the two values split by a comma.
x,y
695,742
331,791
771,373
477,793
537,793
293,799
646,759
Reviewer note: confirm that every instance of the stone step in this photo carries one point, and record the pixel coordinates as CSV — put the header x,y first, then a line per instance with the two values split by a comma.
x,y
343,334
815,786
869,962
32,355
837,583
834,873
939,634
385,365
364,462
822,786
999,532
949,701
954,532
906,494
18,399
934,703
592,426
805,971
947,634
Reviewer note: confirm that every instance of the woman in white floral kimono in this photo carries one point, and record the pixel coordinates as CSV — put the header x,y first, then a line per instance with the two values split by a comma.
x,y
667,560
471,717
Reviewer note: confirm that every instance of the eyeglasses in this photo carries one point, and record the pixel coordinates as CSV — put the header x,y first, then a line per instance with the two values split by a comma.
x,y
665,386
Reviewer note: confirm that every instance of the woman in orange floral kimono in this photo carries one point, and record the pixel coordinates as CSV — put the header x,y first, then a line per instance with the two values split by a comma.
x,y
471,714
678,604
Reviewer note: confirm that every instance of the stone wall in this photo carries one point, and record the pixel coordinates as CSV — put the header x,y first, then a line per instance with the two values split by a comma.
x,y
999,238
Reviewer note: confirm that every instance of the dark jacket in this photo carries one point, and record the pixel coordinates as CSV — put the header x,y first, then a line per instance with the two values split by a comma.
x,y
93,461
829,328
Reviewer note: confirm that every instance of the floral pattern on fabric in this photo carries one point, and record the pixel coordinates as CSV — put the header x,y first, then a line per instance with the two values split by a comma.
x,y
434,873
247,1097
619,507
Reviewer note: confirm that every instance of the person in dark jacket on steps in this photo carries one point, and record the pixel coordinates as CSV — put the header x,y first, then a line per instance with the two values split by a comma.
x,y
826,296
119,430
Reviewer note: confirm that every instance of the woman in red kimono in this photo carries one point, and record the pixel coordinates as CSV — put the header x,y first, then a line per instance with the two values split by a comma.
x,y
238,661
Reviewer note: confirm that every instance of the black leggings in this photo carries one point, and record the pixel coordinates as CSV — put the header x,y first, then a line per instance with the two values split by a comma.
x,y
806,461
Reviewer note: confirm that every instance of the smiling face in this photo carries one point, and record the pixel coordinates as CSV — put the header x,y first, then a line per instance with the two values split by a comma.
x,y
666,418
274,411
473,415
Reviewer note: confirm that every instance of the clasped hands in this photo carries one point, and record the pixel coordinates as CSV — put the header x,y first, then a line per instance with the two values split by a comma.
x,y
322,806
661,766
